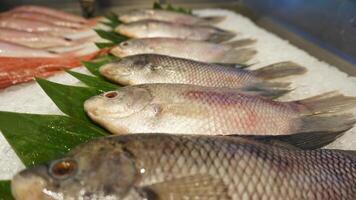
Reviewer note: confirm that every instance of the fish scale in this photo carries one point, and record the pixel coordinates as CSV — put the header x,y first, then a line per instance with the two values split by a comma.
x,y
250,171
163,166
155,28
179,108
203,51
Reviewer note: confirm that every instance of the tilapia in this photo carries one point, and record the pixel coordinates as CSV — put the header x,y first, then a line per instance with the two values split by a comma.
x,y
159,166
168,16
190,109
153,28
190,49
153,68
39,40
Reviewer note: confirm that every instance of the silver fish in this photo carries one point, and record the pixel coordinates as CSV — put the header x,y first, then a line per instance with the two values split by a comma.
x,y
203,51
158,166
153,68
167,16
153,28
191,109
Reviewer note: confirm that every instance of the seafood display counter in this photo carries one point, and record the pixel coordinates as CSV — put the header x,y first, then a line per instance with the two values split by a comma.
x,y
288,59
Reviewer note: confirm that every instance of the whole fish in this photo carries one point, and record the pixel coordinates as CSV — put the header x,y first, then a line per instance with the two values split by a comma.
x,y
8,49
153,28
203,51
153,68
34,26
51,12
159,166
44,18
190,109
38,40
168,16
15,70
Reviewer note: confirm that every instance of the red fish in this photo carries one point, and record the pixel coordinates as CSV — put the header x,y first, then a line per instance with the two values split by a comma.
x,y
15,70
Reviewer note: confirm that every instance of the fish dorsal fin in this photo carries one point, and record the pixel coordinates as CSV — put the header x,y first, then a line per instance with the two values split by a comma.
x,y
235,65
190,187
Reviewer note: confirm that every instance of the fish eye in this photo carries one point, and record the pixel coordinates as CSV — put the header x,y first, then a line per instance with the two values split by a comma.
x,y
110,95
124,44
63,169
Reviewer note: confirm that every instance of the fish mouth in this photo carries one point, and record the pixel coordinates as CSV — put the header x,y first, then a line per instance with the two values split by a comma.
x,y
28,186
118,51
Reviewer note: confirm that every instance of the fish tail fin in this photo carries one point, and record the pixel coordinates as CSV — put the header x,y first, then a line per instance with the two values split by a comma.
x,y
326,112
326,123
221,36
279,70
212,20
269,89
240,56
327,103
240,43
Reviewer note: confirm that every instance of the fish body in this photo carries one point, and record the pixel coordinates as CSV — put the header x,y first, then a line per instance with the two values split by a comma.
x,y
153,68
37,40
167,16
43,18
8,49
153,28
34,26
15,70
189,109
51,12
203,51
160,166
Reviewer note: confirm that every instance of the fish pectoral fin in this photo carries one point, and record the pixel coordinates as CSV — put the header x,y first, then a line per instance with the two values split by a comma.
x,y
190,187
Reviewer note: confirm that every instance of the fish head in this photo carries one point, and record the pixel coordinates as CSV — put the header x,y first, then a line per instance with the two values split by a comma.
x,y
133,29
131,47
117,104
136,15
127,69
100,169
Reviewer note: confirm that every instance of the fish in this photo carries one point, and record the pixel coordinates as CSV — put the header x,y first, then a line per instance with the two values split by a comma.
x,y
152,68
162,166
39,40
191,109
153,28
9,49
16,70
29,25
168,16
227,53
44,18
51,12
